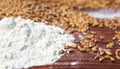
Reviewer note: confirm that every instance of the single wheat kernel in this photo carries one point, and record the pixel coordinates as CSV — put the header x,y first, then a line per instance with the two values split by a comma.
x,y
101,51
70,50
94,49
101,58
110,45
108,53
112,59
96,57
117,52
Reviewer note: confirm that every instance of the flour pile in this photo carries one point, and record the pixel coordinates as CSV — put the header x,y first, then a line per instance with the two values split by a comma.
x,y
25,43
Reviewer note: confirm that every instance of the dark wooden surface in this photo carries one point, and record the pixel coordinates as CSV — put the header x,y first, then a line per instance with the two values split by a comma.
x,y
85,60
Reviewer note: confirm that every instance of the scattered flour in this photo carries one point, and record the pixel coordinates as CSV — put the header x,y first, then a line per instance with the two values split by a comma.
x,y
104,13
25,43
75,63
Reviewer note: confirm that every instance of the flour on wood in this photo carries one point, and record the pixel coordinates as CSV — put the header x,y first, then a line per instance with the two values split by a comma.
x,y
25,43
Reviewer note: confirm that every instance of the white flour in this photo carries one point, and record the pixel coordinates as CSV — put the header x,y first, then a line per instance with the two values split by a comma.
x,y
24,43
104,13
